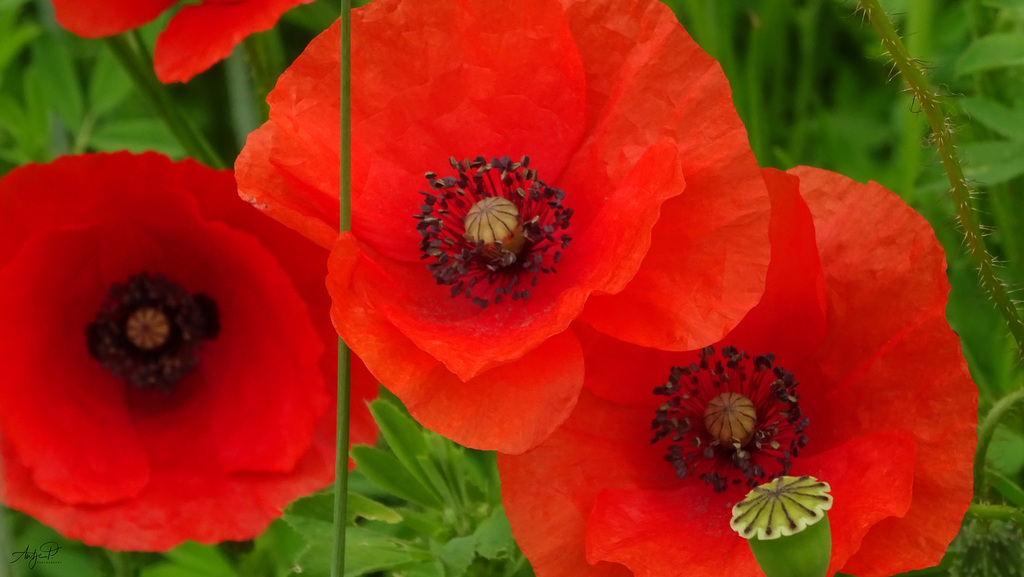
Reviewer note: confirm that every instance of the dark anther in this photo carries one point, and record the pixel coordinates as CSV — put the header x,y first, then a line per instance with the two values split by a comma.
x,y
149,331
729,418
495,222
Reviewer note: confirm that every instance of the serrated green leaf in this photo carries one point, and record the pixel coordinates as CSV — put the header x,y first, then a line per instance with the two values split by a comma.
x,y
367,551
1006,452
320,506
389,474
494,536
990,52
57,75
993,162
405,437
366,508
457,554
996,117
1010,490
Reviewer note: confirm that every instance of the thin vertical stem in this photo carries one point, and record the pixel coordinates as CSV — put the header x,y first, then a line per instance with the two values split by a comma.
x,y
944,140
344,356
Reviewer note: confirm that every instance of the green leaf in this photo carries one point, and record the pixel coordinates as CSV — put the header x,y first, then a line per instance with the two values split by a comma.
x,y
494,536
996,117
1006,452
366,508
405,437
457,554
57,74
993,162
136,135
367,551
12,42
1010,490
320,506
191,560
388,473
1011,4
992,51
109,86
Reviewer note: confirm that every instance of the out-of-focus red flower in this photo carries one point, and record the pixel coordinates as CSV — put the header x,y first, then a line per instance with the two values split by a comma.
x,y
641,199
198,36
874,398
166,359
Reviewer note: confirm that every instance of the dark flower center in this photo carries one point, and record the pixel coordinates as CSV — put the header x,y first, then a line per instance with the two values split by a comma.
x,y
149,331
731,421
490,230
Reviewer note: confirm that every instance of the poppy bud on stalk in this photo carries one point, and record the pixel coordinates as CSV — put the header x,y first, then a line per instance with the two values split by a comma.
x,y
780,521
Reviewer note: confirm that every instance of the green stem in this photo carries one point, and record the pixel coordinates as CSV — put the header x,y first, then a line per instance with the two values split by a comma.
x,y
998,512
988,429
258,52
122,562
131,55
944,139
243,106
344,356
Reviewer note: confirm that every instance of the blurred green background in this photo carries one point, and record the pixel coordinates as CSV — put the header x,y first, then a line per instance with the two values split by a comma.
x,y
812,84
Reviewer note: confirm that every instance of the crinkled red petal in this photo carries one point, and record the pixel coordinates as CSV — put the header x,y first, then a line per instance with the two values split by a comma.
x,y
468,339
201,35
431,80
648,80
890,360
641,528
508,407
97,18
788,321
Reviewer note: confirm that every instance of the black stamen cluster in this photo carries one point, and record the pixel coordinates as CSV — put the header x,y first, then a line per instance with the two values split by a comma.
x,y
462,263
191,318
680,418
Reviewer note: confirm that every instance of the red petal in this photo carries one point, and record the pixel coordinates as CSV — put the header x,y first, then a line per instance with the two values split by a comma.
x,y
96,18
890,361
788,321
519,91
468,339
200,35
524,400
176,505
62,412
112,216
549,492
648,80
642,529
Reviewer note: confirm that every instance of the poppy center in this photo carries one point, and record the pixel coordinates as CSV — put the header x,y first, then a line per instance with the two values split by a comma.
x,y
490,230
149,331
730,421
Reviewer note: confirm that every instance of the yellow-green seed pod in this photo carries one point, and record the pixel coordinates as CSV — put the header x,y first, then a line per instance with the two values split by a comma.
x,y
786,525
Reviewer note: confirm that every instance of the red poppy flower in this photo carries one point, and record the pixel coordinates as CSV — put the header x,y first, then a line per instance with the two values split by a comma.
x,y
197,37
166,361
851,374
640,198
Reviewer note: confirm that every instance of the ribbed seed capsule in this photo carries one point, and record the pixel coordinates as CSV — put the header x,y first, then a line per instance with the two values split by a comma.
x,y
786,525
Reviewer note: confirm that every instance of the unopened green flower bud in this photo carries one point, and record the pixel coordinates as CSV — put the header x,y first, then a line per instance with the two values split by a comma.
x,y
786,524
